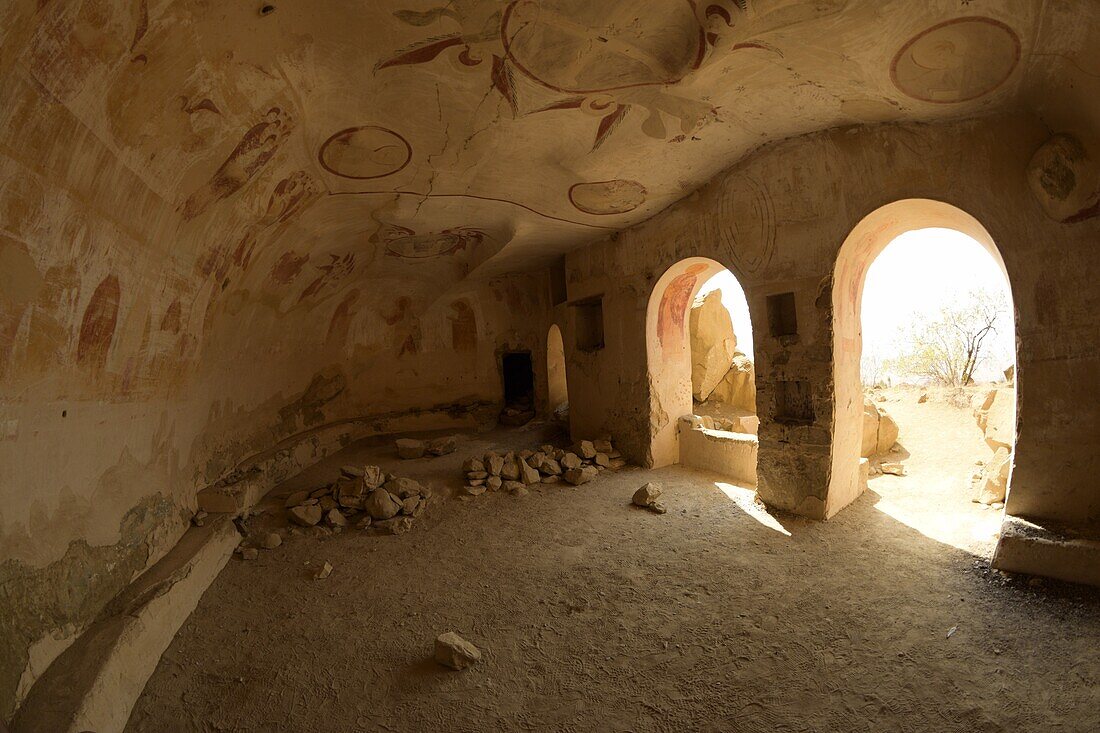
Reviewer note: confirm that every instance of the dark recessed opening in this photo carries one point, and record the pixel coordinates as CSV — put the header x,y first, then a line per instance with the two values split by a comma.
x,y
519,387
782,315
64,413
557,282
794,402
519,378
588,323
267,9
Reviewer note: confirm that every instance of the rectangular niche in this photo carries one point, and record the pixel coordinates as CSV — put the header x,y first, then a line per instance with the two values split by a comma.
x,y
557,282
794,402
782,315
588,323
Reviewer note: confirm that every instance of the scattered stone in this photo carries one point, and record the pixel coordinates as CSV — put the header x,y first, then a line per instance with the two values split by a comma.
x,y
602,446
586,450
616,464
380,504
602,460
647,497
476,482
373,477
271,540
296,498
880,431
349,492
552,479
527,474
443,446
327,503
409,448
510,472
474,490
894,469
451,650
309,502
335,518
923,398
475,475
364,523
546,448
512,486
472,465
324,572
353,471
403,488
306,516
525,454
494,483
397,525
249,553
494,464
200,518
408,506
583,475
570,461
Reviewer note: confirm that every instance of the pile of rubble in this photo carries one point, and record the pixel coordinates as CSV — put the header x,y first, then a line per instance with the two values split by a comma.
x,y
515,471
363,495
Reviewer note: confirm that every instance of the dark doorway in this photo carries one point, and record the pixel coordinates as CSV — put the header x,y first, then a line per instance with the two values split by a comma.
x,y
519,388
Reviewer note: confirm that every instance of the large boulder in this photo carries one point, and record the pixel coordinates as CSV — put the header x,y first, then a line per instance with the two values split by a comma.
x,y
713,344
880,432
1000,419
993,484
738,387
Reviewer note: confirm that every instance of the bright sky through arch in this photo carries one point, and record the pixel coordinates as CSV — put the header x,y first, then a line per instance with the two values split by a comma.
x,y
918,274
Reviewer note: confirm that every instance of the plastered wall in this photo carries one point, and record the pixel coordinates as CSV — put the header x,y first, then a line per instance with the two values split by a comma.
x,y
778,220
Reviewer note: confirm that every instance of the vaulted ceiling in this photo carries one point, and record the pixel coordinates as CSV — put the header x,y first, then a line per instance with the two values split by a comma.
x,y
483,136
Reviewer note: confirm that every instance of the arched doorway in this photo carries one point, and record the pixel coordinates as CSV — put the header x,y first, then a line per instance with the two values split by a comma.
x,y
861,248
677,434
557,388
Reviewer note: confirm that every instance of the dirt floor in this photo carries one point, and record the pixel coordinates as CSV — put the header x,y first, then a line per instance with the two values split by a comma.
x,y
594,615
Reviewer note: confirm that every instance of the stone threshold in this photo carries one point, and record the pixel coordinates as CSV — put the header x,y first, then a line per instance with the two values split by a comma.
x,y
1048,549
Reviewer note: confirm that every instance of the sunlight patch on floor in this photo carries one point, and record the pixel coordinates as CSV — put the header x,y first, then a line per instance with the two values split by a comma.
x,y
746,501
971,529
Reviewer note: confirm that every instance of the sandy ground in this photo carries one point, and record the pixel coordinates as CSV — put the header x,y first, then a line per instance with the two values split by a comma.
x,y
594,615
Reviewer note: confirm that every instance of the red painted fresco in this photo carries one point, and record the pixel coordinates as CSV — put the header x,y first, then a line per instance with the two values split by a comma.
x,y
463,327
332,272
406,327
252,153
288,267
170,322
674,305
97,329
341,320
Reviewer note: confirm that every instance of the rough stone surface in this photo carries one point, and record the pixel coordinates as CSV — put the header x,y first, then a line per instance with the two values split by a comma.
x,y
451,650
306,516
442,446
993,484
578,476
408,448
380,504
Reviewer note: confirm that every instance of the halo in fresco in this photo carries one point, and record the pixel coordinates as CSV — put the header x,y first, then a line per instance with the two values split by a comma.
x,y
607,197
365,152
956,61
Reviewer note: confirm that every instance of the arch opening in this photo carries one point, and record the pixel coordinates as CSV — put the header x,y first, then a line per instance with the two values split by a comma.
x,y
700,371
924,371
557,386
